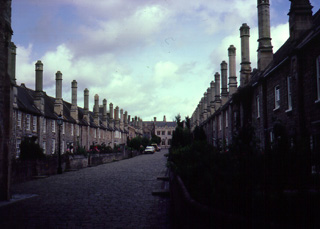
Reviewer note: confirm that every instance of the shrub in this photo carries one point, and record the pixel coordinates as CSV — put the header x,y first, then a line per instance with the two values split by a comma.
x,y
30,150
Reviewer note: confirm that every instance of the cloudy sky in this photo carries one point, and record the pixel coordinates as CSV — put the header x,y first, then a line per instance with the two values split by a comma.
x,y
149,57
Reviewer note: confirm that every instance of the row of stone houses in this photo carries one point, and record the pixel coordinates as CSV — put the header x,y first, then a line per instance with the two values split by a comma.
x,y
35,114
283,92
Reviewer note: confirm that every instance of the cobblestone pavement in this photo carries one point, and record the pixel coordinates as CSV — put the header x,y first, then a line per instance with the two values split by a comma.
x,y
114,195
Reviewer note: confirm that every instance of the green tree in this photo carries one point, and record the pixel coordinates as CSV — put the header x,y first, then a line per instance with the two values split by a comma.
x,y
155,139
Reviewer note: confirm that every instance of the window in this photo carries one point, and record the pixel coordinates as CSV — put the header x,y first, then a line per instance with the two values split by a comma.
x,y
19,119
53,149
163,133
28,122
99,134
62,147
169,132
18,142
44,146
95,133
258,106
63,128
271,137
220,122
163,142
78,130
158,132
226,118
53,126
289,93
34,124
44,125
318,78
276,97
71,129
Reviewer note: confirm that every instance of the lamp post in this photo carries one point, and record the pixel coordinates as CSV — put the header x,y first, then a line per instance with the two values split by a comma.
x,y
60,122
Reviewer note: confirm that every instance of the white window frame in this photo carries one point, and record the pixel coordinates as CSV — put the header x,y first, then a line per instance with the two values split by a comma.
x,y
63,128
71,129
318,79
226,115
34,123
28,120
44,125
78,130
62,147
289,91
53,125
276,97
99,134
220,122
53,148
18,142
258,106
44,147
19,118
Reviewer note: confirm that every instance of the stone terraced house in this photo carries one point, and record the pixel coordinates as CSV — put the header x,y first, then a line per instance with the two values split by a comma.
x,y
284,90
35,114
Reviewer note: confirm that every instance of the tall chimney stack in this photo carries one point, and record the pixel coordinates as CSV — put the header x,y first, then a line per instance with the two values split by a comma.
x,y
232,70
116,117
39,100
74,106
245,55
209,98
12,62
96,110
205,105
217,94
86,106
213,97
300,18
111,121
265,53
224,82
58,104
104,113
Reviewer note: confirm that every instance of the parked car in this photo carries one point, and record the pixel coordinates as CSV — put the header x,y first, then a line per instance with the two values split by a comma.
x,y
157,148
149,149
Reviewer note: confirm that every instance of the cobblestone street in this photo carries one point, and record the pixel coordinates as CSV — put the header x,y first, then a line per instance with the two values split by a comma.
x,y
114,195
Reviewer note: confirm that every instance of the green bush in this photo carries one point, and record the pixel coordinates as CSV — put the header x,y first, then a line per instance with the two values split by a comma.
x,y
30,150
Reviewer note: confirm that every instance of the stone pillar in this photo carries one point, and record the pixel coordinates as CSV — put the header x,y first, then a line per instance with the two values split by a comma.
x,y
96,110
217,94
86,106
74,105
232,70
245,55
224,83
265,53
58,104
104,113
39,100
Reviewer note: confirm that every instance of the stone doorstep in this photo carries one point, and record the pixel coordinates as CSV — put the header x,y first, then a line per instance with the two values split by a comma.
x,y
16,198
